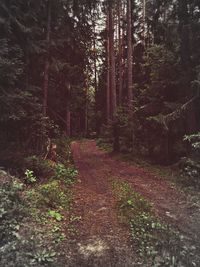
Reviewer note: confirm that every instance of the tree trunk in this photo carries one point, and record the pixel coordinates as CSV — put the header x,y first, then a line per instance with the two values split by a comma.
x,y
108,74
68,112
184,33
120,53
86,110
46,67
144,23
113,95
129,55
130,70
112,64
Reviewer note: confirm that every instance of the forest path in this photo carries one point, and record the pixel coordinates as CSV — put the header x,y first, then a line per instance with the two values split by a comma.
x,y
102,240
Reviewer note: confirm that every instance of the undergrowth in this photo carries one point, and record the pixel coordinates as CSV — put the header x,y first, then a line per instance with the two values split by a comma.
x,y
35,211
156,242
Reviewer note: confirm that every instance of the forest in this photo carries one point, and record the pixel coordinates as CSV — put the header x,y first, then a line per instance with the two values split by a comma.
x,y
86,87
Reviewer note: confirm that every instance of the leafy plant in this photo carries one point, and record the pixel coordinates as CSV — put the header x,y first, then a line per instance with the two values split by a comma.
x,y
43,256
156,243
30,178
39,166
68,175
54,194
55,215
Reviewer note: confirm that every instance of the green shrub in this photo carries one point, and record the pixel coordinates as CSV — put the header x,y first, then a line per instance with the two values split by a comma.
x,y
13,246
54,195
63,150
68,175
55,215
38,165
30,178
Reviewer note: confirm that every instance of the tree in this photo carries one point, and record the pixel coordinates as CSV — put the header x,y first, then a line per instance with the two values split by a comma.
x,y
113,97
47,60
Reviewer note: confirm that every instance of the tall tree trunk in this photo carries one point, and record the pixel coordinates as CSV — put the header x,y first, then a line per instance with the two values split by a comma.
x,y
68,112
46,67
95,79
86,110
144,23
112,64
108,74
120,52
129,55
113,95
184,32
130,70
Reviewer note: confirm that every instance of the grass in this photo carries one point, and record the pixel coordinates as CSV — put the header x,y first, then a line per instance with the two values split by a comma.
x,y
156,242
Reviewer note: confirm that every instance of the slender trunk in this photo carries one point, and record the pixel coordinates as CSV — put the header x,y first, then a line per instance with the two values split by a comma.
x,y
144,23
46,67
113,95
112,64
108,75
68,112
130,70
120,53
86,110
184,33
129,55
95,81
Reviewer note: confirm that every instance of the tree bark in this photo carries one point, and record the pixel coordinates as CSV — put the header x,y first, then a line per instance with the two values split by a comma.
x,y
129,56
130,70
184,32
68,112
120,53
47,63
108,74
144,23
112,64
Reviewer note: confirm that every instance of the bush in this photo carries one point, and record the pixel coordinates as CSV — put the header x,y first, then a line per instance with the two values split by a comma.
x,y
54,195
38,165
13,246
66,174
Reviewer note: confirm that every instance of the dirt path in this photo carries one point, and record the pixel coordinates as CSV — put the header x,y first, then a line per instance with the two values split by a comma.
x,y
102,241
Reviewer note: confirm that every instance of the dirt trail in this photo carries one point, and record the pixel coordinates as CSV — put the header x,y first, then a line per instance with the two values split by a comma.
x,y
102,241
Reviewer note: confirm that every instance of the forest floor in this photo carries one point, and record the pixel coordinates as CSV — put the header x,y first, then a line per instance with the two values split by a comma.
x,y
102,238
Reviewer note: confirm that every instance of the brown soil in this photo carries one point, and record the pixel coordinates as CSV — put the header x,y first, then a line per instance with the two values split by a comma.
x,y
102,240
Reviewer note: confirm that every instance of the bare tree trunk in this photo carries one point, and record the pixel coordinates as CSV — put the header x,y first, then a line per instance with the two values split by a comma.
x,y
144,23
95,79
113,95
46,67
86,110
112,64
120,53
68,112
130,69
108,74
129,55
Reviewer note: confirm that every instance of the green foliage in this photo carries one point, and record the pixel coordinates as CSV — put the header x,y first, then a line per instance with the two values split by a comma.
x,y
68,175
57,234
55,195
156,243
129,202
30,178
194,141
55,215
43,256
104,144
191,166
15,245
38,165
63,150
